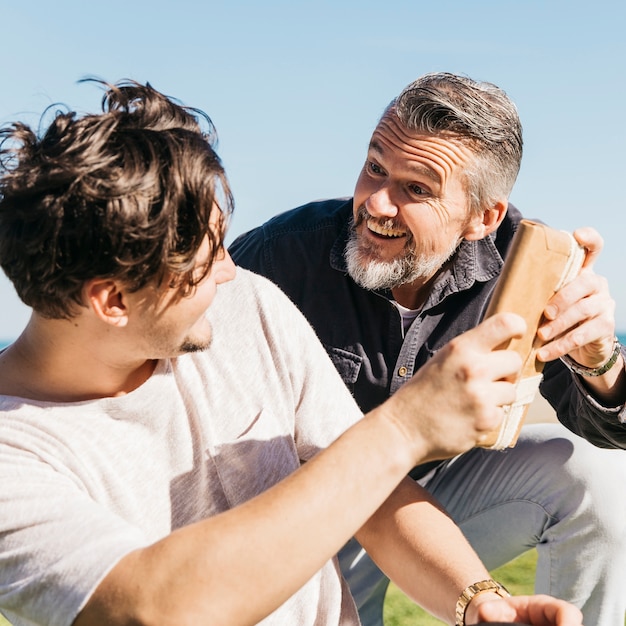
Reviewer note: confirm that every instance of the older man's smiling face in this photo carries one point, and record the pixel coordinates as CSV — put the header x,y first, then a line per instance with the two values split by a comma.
x,y
411,207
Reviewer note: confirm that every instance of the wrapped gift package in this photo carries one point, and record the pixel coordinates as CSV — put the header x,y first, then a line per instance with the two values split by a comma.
x,y
541,260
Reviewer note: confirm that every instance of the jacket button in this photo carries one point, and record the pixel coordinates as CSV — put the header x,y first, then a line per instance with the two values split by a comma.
x,y
402,371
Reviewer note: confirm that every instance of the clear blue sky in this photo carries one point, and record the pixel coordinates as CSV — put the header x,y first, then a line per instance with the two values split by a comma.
x,y
295,89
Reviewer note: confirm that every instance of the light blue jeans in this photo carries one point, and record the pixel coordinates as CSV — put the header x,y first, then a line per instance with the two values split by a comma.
x,y
553,491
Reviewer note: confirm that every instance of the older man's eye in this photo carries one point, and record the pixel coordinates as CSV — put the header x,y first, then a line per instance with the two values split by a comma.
x,y
417,190
375,169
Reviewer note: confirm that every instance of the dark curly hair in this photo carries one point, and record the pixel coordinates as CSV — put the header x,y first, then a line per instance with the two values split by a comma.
x,y
124,194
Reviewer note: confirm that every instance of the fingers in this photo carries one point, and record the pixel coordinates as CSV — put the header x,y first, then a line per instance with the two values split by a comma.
x,y
585,297
591,240
465,385
487,360
540,610
480,362
580,317
582,313
496,331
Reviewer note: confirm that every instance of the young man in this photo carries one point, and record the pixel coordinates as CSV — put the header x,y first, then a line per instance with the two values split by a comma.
x,y
150,450
408,264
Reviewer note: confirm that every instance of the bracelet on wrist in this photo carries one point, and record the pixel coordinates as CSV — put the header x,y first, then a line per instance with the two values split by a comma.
x,y
581,370
471,591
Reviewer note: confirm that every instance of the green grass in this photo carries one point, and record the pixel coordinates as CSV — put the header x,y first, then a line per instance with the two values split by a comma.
x,y
518,577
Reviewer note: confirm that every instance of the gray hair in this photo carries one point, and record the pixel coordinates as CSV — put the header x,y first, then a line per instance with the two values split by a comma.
x,y
478,114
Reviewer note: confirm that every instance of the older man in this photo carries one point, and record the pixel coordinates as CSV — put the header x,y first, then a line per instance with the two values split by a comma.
x,y
387,278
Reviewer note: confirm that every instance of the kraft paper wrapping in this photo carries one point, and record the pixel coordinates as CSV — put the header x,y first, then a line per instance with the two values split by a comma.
x,y
540,262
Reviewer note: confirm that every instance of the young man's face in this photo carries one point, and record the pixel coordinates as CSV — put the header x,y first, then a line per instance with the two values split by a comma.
x,y
170,324
411,208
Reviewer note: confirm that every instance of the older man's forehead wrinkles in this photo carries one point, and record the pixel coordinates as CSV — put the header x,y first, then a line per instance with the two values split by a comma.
x,y
443,153
434,171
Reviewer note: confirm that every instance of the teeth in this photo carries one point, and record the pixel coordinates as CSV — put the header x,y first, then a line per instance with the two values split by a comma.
x,y
379,229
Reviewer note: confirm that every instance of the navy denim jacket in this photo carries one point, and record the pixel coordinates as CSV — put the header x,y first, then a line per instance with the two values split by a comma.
x,y
302,251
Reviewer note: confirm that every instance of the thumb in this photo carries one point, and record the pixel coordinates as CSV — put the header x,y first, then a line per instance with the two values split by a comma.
x,y
497,330
496,612
590,239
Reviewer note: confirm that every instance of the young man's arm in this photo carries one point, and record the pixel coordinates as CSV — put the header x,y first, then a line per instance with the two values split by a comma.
x,y
441,562
425,553
237,567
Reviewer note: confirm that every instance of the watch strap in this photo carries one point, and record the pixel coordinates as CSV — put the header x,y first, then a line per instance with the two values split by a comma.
x,y
472,591
582,370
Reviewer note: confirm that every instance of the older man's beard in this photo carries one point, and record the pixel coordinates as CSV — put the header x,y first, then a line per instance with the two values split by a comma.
x,y
372,273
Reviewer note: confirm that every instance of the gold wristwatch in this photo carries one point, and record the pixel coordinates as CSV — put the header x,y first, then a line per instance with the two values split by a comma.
x,y
474,590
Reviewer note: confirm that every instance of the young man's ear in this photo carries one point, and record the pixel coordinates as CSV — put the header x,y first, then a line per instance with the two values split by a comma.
x,y
484,224
107,301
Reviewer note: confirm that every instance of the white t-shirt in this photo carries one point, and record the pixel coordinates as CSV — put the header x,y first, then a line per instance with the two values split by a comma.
x,y
82,484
